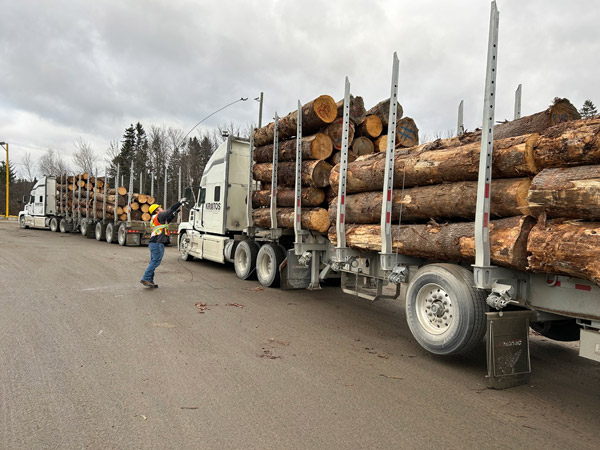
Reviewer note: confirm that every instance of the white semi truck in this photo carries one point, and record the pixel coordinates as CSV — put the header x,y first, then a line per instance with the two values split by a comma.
x,y
448,306
44,209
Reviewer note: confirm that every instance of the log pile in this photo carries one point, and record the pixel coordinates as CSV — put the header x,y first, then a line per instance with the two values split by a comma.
x,y
91,202
545,196
322,132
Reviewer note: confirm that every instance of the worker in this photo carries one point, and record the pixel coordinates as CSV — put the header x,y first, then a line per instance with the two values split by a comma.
x,y
159,238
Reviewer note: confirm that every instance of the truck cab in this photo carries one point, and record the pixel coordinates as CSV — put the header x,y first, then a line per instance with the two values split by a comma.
x,y
219,213
41,205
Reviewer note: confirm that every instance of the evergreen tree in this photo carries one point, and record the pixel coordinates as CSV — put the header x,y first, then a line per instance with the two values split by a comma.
x,y
11,173
126,156
588,110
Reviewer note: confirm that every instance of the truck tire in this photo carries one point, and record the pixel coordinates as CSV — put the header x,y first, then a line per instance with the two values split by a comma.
x,y
269,258
558,330
84,228
22,222
111,233
444,311
54,224
100,231
122,235
244,260
64,226
184,247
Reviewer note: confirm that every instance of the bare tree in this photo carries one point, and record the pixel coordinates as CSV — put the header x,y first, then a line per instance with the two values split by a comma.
x,y
84,157
28,166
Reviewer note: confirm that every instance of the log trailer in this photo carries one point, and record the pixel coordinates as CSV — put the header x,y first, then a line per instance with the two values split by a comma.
x,y
44,209
450,308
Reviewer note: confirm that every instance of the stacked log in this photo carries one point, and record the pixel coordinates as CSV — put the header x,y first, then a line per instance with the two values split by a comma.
x,y
545,196
91,201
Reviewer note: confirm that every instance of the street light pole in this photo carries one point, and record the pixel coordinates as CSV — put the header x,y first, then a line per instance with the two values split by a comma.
x,y
5,145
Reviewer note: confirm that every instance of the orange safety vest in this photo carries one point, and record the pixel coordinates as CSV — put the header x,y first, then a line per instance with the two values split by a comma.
x,y
158,228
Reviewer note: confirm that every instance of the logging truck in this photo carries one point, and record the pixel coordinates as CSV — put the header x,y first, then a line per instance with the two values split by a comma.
x,y
450,306
56,204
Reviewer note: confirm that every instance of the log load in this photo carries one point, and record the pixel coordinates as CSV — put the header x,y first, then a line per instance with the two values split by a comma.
x,y
370,127
337,157
380,144
382,110
313,173
315,114
142,198
310,196
572,192
565,248
313,219
151,200
122,191
440,201
111,199
145,207
318,146
450,242
362,146
357,109
335,131
513,158
407,133
146,217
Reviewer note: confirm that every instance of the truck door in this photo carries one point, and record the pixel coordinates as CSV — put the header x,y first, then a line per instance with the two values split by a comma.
x,y
39,201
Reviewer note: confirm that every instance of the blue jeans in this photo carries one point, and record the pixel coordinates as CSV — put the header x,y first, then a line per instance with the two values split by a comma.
x,y
157,251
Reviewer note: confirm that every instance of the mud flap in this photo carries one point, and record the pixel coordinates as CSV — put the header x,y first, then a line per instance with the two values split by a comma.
x,y
293,275
508,348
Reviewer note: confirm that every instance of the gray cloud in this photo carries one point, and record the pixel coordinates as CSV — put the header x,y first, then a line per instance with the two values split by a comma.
x,y
89,69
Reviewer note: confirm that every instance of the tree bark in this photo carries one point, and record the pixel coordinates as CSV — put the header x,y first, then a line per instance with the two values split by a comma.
x,y
318,146
453,242
370,127
111,199
407,133
382,110
310,196
313,219
362,146
513,158
314,173
572,192
337,156
122,191
566,248
335,131
574,143
357,109
440,201
315,114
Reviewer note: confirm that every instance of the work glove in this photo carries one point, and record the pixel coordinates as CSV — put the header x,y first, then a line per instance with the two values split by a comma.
x,y
184,201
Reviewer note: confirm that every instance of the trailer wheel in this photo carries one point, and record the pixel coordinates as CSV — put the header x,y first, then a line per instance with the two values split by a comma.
x,y
110,233
122,235
100,231
83,228
244,260
558,330
270,256
22,222
184,247
54,224
63,226
444,311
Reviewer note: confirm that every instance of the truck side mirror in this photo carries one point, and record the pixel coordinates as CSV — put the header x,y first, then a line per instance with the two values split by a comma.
x,y
25,199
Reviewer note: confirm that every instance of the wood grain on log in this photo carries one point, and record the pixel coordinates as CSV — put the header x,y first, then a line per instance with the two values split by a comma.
x,y
370,127
572,192
565,248
318,146
362,146
310,196
335,131
453,242
313,219
336,158
407,133
357,109
315,114
440,201
314,173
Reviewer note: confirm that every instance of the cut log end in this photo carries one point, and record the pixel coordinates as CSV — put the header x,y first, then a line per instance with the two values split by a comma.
x,y
325,108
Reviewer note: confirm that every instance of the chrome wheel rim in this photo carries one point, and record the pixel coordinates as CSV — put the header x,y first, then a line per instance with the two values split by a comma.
x,y
435,309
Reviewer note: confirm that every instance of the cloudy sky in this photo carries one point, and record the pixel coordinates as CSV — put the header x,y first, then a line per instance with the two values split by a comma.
x,y
87,69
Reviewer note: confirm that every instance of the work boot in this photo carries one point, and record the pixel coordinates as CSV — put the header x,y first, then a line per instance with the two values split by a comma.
x,y
147,283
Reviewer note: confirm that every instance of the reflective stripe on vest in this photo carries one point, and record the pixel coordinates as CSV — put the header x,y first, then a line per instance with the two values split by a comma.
x,y
157,227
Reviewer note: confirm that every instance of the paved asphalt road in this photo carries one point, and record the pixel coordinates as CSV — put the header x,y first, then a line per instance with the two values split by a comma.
x,y
91,359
